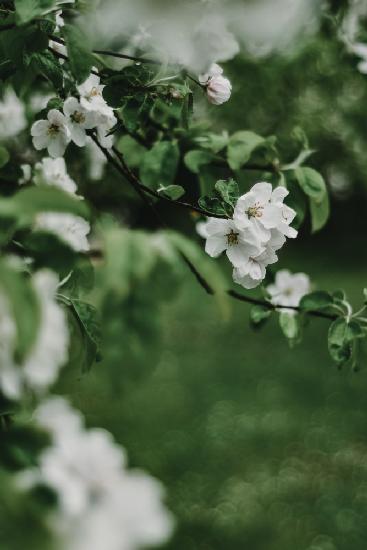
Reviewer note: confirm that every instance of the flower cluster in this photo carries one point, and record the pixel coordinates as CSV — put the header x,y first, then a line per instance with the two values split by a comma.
x,y
218,88
101,504
259,227
89,111
41,366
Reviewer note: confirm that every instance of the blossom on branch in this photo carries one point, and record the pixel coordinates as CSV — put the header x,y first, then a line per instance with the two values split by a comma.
x,y
52,134
79,119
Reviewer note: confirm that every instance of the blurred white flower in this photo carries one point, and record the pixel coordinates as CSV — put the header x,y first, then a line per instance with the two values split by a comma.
x,y
12,115
101,503
53,172
78,120
49,353
96,160
26,174
71,229
51,134
288,289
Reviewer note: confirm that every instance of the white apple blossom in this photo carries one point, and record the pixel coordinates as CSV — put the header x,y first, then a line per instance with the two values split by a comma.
x,y
101,504
251,273
92,100
78,120
263,209
240,245
41,366
288,289
218,88
51,134
53,172
12,115
71,229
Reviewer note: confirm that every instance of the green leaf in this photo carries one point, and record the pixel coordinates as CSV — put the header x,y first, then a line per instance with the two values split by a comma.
x,y
79,52
316,300
4,156
340,337
194,160
320,212
32,200
240,147
24,307
46,64
159,165
259,315
311,183
212,205
289,324
26,10
228,191
174,192
89,321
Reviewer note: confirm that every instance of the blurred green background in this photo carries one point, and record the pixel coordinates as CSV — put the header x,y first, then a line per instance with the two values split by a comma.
x,y
259,446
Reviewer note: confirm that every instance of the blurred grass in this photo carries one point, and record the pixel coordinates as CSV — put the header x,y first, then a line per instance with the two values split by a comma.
x,y
260,446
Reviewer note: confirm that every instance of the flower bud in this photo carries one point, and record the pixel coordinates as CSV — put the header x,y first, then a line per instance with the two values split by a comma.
x,y
218,90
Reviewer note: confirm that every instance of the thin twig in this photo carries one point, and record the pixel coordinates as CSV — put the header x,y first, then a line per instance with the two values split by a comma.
x,y
269,305
162,197
134,182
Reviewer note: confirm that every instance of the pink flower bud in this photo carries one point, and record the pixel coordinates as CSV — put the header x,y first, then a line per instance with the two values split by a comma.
x,y
218,90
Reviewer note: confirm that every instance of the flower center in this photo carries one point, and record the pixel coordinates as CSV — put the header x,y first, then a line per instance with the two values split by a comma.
x,y
94,92
53,129
77,117
232,238
255,211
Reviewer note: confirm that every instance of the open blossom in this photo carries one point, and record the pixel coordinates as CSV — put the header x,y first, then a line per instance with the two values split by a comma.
x,y
12,115
263,209
101,504
71,229
51,134
288,289
223,235
53,172
41,366
218,88
251,273
78,120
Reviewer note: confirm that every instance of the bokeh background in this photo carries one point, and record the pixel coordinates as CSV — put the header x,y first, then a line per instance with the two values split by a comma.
x,y
260,447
